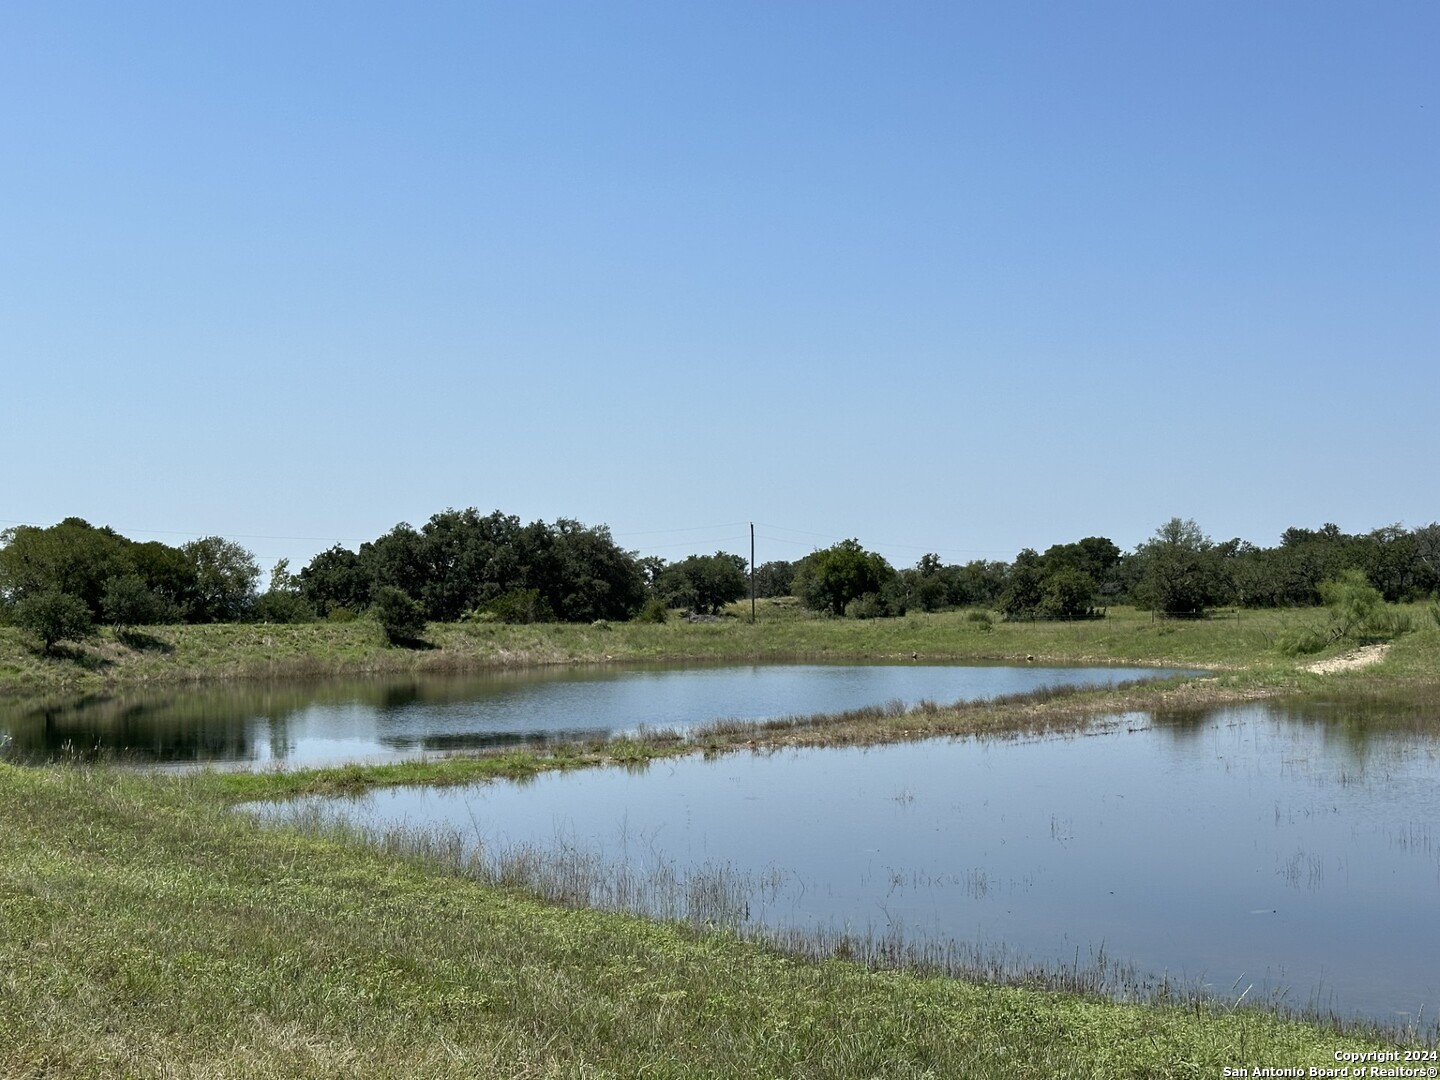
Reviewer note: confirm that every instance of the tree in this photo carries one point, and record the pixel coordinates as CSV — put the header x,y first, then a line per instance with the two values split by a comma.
x,y
128,601
1183,572
282,602
401,618
594,577
1096,556
1068,594
1024,586
774,578
829,579
704,583
53,616
980,582
336,579
927,586
225,579
72,557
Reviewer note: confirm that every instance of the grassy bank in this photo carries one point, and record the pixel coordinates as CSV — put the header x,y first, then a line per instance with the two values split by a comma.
x,y
1245,640
147,930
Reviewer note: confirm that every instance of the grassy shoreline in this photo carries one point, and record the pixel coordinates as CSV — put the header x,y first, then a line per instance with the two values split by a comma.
x,y
148,930
1244,641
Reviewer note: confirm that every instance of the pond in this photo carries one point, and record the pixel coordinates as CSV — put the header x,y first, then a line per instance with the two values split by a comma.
x,y
293,724
1257,853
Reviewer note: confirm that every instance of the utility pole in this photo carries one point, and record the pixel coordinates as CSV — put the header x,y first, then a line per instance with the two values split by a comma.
x,y
752,571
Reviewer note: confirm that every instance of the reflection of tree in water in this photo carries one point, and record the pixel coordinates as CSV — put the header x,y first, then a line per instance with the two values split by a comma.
x,y
1357,723
1365,722
233,722
1185,722
130,732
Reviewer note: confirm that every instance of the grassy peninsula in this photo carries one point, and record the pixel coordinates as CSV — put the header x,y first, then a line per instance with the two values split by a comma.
x,y
146,929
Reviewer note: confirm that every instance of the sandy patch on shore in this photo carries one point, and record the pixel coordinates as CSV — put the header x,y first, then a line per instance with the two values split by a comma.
x,y
1364,657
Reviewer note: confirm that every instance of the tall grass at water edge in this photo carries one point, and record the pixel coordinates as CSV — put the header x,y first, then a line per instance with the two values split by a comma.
x,y
147,930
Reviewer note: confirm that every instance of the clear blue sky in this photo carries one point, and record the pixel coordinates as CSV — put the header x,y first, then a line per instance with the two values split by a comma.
x,y
952,277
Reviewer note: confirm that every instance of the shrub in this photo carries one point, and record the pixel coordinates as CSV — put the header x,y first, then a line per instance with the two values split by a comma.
x,y
1068,594
1303,641
866,606
1358,613
653,611
54,616
519,606
400,617
128,601
278,606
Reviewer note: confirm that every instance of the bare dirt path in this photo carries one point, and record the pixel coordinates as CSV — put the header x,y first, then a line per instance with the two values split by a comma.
x,y
1362,657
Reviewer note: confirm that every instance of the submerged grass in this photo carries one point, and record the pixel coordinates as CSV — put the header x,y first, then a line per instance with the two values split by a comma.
x,y
147,930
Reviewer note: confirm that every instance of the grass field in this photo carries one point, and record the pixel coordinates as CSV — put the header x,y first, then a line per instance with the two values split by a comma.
x,y
1238,641
146,929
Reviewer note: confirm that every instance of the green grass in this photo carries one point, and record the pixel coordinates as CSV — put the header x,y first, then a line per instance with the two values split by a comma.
x,y
1248,640
147,930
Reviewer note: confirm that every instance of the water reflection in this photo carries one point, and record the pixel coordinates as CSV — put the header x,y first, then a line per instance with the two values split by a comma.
x,y
316,723
1257,850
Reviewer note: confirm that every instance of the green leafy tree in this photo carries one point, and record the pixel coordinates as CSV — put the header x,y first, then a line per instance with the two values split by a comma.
x,y
282,602
1024,586
979,583
1068,594
53,616
72,557
129,601
1183,572
829,579
167,571
774,578
401,618
336,580
225,579
594,577
704,583
928,587
1095,556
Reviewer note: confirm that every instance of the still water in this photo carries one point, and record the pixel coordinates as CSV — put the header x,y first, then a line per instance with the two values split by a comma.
x,y
302,725
1274,854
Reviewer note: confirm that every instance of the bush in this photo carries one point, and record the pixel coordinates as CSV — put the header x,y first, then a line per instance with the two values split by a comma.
x,y
1358,613
866,606
1068,594
54,616
128,601
278,606
653,611
401,618
518,606
1303,641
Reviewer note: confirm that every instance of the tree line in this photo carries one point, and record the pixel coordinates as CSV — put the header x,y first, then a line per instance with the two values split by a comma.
x,y
62,580
1179,572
